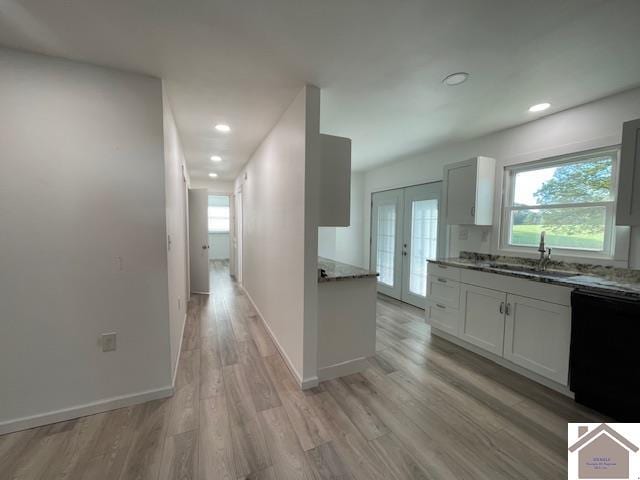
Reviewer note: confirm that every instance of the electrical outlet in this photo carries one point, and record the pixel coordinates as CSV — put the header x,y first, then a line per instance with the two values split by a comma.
x,y
108,341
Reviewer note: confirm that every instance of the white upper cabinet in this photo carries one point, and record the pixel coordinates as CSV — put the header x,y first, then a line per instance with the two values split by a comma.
x,y
335,181
628,208
468,191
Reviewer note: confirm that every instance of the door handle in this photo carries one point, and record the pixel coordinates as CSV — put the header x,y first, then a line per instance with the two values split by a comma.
x,y
508,310
501,307
473,211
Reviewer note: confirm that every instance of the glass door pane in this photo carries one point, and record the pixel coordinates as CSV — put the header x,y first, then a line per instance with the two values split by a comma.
x,y
420,239
424,241
386,243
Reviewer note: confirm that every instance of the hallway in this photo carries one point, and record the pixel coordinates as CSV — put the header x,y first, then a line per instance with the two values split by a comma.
x,y
423,409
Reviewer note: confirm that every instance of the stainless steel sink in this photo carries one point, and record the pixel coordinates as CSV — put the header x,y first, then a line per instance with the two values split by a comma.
x,y
529,270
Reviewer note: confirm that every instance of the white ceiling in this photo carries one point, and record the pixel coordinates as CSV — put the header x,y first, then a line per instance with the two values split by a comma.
x,y
379,63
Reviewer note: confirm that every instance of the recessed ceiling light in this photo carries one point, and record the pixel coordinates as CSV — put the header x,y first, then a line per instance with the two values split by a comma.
x,y
539,107
213,175
455,79
216,158
222,127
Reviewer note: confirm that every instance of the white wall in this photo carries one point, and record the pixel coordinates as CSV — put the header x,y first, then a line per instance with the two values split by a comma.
x,y
177,226
219,246
588,126
82,242
280,231
344,244
213,186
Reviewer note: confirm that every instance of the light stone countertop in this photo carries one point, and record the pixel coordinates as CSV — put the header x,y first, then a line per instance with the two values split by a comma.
x,y
334,270
605,280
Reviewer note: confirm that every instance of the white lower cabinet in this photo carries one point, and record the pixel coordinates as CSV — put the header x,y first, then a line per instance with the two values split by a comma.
x,y
445,318
532,333
537,336
483,317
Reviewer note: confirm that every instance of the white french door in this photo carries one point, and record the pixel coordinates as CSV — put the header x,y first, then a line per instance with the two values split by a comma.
x,y
386,240
405,232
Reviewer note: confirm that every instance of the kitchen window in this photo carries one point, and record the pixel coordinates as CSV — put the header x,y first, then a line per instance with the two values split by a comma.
x,y
570,198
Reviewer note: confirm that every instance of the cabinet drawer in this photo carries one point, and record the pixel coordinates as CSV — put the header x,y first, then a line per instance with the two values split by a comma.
x,y
443,290
444,318
443,271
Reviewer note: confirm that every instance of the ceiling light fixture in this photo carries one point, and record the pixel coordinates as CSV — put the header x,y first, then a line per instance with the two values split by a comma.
x,y
539,107
455,79
213,175
216,158
222,127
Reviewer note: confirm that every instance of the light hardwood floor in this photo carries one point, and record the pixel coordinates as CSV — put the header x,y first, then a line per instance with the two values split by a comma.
x,y
424,409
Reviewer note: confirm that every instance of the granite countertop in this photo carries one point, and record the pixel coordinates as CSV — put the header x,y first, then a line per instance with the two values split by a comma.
x,y
606,280
340,271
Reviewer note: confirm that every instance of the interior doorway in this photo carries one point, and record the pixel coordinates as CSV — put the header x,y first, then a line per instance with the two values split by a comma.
x,y
405,233
219,231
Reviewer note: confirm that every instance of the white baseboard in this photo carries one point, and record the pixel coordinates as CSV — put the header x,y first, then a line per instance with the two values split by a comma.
x,y
175,369
504,363
83,410
304,383
342,369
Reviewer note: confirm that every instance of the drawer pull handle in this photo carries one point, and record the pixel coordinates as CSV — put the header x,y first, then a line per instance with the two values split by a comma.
x,y
440,306
442,280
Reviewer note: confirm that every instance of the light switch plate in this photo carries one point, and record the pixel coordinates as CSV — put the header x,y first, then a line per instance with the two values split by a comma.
x,y
108,341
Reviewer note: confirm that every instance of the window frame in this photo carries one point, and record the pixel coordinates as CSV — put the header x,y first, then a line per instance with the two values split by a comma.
x,y
509,174
209,217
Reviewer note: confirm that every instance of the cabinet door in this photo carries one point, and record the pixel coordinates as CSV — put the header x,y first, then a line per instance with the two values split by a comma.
x,y
537,336
482,320
461,193
628,206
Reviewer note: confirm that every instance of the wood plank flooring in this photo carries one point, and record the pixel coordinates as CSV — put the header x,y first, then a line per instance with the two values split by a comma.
x,y
423,409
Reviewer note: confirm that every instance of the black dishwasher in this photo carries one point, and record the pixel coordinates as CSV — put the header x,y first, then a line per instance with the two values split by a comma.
x,y
603,365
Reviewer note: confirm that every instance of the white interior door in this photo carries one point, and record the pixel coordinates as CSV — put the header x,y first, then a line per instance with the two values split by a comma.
x,y
239,236
199,240
420,239
386,240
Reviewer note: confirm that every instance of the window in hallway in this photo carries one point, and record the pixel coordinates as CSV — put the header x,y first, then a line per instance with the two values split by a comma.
x,y
219,226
